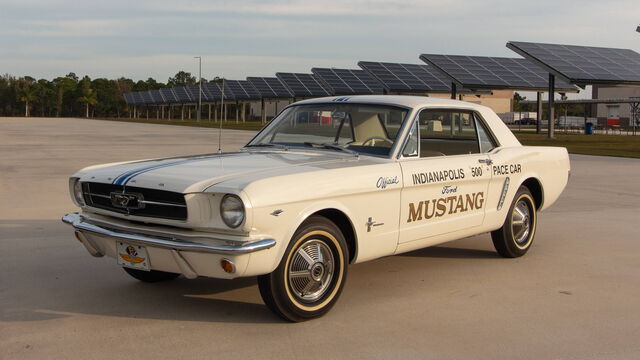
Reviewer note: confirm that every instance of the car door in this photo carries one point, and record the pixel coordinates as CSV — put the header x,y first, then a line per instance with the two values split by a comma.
x,y
446,176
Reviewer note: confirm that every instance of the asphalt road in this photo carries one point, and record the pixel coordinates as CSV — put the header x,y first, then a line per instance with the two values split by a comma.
x,y
575,295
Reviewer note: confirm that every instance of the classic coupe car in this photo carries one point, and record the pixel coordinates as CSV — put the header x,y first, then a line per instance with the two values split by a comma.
x,y
328,183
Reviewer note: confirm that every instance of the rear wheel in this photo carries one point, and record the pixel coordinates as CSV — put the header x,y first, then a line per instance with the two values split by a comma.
x,y
150,276
311,275
515,237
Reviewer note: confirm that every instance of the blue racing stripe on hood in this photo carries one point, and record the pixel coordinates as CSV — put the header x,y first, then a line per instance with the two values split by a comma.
x,y
120,180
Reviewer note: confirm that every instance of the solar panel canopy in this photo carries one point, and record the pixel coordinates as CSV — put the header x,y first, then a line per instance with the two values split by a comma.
x,y
182,94
168,95
156,97
270,87
137,97
128,98
146,97
195,89
242,89
407,77
484,72
214,91
583,65
347,81
302,85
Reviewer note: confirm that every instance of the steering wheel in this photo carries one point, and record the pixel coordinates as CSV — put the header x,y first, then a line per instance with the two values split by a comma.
x,y
372,140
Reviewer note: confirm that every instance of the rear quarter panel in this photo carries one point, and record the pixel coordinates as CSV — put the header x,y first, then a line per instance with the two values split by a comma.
x,y
548,165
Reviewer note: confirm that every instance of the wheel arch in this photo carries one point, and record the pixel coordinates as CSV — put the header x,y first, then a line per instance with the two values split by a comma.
x,y
345,225
535,187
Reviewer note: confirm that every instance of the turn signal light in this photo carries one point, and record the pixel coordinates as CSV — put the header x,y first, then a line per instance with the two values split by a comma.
x,y
227,266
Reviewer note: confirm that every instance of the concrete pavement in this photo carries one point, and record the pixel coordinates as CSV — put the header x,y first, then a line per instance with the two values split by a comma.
x,y
575,295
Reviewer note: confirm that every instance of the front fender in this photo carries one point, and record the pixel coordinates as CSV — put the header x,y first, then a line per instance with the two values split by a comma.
x,y
282,227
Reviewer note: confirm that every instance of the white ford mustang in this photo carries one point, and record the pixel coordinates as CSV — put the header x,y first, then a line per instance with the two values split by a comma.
x,y
329,182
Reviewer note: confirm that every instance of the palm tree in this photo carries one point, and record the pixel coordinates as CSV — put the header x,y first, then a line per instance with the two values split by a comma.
x,y
26,93
89,98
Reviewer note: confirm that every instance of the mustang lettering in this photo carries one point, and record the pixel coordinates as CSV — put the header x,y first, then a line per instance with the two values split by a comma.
x,y
445,206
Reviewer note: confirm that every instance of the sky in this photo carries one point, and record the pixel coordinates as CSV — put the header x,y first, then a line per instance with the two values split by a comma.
x,y
157,38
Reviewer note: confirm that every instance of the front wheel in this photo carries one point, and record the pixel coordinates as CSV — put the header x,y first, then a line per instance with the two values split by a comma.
x,y
515,237
311,275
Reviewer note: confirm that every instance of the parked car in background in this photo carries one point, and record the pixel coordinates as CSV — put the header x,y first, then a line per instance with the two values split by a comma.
x,y
526,121
328,183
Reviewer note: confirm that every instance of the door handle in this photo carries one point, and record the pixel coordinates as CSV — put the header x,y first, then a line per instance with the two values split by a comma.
x,y
486,161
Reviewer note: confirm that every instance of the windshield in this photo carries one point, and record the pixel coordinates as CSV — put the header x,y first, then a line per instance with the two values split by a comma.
x,y
365,129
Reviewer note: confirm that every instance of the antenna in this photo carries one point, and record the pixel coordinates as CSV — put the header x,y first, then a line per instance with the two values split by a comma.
x,y
221,112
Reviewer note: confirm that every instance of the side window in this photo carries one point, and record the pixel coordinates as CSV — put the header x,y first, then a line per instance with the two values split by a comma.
x,y
486,142
447,132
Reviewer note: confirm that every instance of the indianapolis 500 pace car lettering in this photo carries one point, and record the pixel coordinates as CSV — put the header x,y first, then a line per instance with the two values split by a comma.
x,y
328,183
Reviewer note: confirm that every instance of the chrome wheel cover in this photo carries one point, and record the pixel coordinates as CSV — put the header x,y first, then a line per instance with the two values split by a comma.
x,y
521,222
311,270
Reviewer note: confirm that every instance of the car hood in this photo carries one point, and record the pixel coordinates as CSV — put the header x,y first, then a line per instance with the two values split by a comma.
x,y
197,173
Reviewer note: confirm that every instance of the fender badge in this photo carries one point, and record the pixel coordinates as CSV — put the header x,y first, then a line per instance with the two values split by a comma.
x,y
371,223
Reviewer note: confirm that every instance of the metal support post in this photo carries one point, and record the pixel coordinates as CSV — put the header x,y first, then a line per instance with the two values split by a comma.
x,y
539,116
244,112
552,90
199,89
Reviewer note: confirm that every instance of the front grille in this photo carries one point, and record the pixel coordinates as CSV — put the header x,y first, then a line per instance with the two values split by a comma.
x,y
152,203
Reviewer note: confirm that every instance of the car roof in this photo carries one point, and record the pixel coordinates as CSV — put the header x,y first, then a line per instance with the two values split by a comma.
x,y
399,100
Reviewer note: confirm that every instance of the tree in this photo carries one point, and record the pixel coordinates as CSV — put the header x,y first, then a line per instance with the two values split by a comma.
x,y
65,88
88,94
517,98
8,98
182,78
123,86
26,92
45,96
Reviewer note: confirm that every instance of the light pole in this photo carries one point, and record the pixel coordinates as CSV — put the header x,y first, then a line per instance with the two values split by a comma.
x,y
199,87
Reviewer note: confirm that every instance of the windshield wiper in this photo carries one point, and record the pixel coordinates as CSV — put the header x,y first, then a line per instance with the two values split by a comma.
x,y
277,146
332,147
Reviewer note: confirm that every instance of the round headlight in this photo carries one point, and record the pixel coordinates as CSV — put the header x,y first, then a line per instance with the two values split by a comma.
x,y
76,191
232,210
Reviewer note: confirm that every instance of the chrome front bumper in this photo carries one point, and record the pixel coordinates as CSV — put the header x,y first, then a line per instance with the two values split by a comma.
x,y
200,244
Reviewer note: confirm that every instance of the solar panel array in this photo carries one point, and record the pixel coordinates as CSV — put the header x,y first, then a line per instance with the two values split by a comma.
x,y
347,81
580,65
128,98
407,77
214,91
242,90
182,94
270,87
155,96
583,65
146,97
169,95
483,72
194,90
302,85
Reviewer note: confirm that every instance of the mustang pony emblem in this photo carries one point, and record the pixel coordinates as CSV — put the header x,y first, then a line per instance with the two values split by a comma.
x,y
127,201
